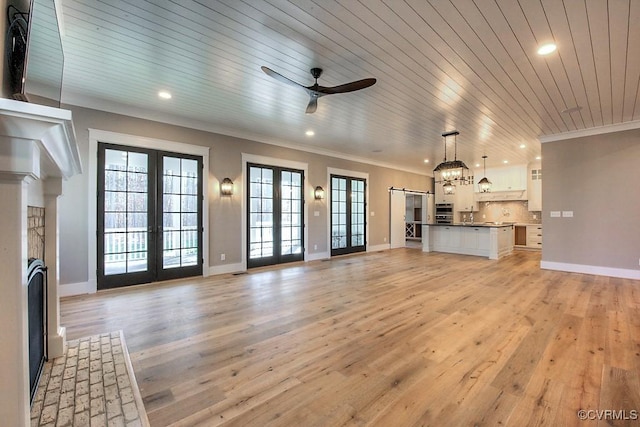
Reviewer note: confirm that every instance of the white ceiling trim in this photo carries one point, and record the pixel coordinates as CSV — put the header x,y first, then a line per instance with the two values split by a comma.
x,y
600,130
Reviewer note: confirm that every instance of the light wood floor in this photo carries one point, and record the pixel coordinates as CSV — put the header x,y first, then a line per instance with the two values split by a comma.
x,y
394,338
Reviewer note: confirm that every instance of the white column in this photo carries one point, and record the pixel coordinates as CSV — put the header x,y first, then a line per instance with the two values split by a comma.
x,y
14,336
57,334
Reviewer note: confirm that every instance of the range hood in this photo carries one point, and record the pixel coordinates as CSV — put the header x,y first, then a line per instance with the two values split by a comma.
x,y
499,196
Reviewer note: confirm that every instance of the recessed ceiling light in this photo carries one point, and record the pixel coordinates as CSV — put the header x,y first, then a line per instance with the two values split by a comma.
x,y
309,133
164,94
477,165
546,48
426,160
522,146
505,161
538,157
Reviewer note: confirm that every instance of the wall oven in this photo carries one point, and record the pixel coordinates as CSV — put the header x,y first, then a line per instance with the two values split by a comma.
x,y
444,213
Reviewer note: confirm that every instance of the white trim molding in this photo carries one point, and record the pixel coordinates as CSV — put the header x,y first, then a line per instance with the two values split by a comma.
x,y
227,268
80,288
318,256
376,248
95,136
618,127
622,273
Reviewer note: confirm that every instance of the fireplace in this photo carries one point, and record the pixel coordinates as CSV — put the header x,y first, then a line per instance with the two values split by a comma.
x,y
37,317
38,150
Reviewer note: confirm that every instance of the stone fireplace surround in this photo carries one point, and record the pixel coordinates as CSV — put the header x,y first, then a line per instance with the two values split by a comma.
x,y
38,151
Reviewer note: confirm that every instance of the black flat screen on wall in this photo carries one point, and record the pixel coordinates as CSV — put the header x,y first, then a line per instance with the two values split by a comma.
x,y
34,53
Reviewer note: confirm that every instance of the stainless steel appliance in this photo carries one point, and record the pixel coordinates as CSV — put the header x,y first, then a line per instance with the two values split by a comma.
x,y
444,213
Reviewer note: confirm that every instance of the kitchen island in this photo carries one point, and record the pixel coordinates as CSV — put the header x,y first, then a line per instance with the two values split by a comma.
x,y
481,239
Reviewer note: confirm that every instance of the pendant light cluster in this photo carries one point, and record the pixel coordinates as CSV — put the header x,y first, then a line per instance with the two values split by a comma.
x,y
452,172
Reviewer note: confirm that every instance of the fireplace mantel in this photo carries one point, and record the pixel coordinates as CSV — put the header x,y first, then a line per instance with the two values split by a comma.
x,y
36,143
50,128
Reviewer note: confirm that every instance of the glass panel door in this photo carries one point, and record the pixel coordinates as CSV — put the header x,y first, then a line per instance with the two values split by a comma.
x,y
348,215
181,219
125,220
149,216
275,215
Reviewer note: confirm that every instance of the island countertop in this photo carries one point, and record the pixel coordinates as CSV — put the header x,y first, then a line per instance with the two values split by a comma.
x,y
476,224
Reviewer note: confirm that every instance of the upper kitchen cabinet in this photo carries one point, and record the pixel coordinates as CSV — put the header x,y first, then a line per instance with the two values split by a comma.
x,y
463,199
507,178
534,186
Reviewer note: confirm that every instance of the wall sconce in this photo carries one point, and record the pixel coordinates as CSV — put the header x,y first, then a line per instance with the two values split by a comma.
x,y
318,193
226,187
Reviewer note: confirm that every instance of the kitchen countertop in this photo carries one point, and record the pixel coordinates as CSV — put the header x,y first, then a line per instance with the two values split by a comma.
x,y
475,224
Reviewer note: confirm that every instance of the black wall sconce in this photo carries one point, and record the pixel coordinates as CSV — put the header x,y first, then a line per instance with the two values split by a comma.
x,y
318,193
226,187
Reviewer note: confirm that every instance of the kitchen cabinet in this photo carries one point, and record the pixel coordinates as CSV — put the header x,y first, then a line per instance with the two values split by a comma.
x,y
507,178
534,236
528,236
534,187
493,242
463,199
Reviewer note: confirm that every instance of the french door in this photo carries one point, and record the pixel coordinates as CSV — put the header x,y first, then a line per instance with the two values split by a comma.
x,y
149,215
275,225
348,215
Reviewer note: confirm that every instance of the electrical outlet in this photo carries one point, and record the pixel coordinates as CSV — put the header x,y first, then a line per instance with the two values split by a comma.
x,y
373,213
222,257
385,240
535,216
315,247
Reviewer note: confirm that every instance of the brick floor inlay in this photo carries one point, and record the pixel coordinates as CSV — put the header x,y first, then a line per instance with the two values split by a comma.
x,y
91,385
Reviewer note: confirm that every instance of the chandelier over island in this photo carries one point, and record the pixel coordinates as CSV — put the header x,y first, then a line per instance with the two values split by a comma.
x,y
452,172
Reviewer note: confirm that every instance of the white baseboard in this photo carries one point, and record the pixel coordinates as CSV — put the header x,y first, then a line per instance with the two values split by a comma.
x,y
622,273
318,256
227,268
71,289
375,248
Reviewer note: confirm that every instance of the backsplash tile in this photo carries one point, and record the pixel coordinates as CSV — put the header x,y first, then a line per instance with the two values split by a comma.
x,y
506,211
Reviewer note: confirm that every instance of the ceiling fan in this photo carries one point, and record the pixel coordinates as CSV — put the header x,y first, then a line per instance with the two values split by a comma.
x,y
315,91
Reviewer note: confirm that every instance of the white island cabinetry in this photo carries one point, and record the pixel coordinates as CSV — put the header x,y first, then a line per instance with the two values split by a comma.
x,y
492,241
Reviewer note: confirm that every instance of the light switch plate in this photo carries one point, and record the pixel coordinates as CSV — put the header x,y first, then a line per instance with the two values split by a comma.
x,y
567,214
555,214
316,213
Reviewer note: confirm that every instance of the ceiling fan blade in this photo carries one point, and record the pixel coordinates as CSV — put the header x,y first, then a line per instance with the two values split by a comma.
x,y
347,87
313,104
269,72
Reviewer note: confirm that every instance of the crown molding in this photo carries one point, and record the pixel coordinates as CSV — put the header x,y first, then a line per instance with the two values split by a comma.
x,y
600,130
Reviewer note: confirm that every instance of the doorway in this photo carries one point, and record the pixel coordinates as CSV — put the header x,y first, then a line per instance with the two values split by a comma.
x,y
275,226
149,215
348,215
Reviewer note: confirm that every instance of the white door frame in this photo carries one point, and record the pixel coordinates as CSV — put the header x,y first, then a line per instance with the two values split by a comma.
x,y
95,136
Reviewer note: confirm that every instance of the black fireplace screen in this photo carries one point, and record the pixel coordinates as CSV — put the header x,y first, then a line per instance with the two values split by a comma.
x,y
37,305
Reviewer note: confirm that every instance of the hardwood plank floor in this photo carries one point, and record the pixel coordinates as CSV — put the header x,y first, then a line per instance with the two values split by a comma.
x,y
393,338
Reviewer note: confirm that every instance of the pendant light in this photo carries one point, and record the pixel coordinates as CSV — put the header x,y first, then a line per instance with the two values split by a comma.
x,y
452,172
484,184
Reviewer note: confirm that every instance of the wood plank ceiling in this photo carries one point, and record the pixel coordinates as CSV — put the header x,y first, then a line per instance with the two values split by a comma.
x,y
469,65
